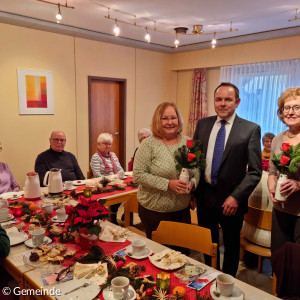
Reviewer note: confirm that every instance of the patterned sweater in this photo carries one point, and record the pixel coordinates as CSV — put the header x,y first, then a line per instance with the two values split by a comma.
x,y
154,166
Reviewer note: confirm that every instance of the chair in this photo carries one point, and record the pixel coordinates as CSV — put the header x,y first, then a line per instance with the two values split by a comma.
x,y
194,218
261,219
188,236
131,206
89,174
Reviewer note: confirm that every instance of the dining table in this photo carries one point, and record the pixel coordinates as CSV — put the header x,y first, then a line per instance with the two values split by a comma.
x,y
31,278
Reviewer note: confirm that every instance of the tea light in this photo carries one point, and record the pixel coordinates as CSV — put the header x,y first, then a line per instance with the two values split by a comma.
x,y
163,281
17,210
87,192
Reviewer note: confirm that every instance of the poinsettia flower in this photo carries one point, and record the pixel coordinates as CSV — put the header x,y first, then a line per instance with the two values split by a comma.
x,y
191,156
84,202
284,160
189,143
285,147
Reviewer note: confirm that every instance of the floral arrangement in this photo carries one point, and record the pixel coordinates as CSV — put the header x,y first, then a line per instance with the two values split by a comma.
x,y
85,216
190,156
287,160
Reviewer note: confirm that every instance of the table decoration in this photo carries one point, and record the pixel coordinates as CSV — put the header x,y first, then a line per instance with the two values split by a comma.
x,y
17,210
87,192
163,281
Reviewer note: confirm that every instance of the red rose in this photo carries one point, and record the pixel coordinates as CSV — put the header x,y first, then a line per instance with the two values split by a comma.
x,y
285,147
284,160
191,156
189,143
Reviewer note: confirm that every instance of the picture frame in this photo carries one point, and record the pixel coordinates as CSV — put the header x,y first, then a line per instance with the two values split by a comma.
x,y
35,92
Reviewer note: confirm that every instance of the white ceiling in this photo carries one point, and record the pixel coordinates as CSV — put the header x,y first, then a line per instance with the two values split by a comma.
x,y
255,20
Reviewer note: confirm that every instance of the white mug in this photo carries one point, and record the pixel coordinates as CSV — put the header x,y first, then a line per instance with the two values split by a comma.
x,y
68,185
225,284
3,214
61,214
120,287
138,247
121,174
48,208
37,236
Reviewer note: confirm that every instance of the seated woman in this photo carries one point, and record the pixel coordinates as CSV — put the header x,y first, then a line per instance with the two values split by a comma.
x,y
265,155
7,180
105,163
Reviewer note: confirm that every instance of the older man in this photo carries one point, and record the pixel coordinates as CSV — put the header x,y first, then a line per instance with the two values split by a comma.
x,y
57,157
232,149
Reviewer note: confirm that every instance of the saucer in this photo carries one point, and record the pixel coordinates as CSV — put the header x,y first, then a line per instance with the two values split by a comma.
x,y
144,254
108,295
29,243
55,220
71,189
9,217
237,294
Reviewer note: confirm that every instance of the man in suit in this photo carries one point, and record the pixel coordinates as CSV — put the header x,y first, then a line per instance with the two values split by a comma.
x,y
231,146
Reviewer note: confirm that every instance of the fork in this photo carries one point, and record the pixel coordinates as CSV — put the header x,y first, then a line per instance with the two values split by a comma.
x,y
86,284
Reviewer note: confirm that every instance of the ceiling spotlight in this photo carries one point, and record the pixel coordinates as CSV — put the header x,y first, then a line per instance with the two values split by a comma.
x,y
116,29
176,42
214,41
213,46
58,15
147,36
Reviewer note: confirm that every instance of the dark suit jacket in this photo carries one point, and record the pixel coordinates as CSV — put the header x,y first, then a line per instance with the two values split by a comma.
x,y
242,151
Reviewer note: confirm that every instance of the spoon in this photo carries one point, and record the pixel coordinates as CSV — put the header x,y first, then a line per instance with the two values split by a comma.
x,y
216,292
86,284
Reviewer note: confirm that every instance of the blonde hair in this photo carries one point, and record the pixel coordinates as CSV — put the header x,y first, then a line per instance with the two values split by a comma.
x,y
156,126
291,92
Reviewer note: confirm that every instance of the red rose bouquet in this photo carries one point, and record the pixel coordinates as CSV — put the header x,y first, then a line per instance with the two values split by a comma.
x,y
190,156
287,161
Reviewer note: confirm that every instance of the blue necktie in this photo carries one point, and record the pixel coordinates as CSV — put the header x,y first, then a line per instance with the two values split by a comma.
x,y
218,152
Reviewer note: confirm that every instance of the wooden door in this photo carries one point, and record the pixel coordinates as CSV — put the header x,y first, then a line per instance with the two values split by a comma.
x,y
107,113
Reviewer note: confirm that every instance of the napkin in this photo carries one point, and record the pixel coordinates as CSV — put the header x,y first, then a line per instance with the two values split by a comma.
x,y
91,272
114,234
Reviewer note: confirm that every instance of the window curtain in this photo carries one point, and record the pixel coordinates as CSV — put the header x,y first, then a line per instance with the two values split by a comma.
x,y
260,86
199,100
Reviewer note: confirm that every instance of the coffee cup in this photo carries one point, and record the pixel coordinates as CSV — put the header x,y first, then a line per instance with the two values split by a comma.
x,y
3,214
121,174
68,185
225,283
48,208
138,247
37,236
120,287
61,214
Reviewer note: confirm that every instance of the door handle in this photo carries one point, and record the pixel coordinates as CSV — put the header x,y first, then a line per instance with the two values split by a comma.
x,y
116,133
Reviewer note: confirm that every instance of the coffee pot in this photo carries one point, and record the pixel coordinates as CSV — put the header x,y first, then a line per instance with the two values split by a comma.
x,y
55,184
32,188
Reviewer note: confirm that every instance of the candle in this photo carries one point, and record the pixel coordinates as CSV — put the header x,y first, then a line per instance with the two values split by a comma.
x,y
163,281
17,210
87,192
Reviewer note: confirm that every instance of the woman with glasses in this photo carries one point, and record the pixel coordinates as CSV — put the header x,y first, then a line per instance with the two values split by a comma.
x,y
286,221
161,195
7,180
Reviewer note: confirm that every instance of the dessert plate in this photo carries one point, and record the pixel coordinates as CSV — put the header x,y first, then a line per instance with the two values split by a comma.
x,y
55,220
79,182
237,294
168,260
146,253
34,264
17,238
108,295
9,217
11,195
29,243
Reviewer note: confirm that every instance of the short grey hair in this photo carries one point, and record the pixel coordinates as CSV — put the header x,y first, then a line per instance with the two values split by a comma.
x,y
104,137
144,131
268,135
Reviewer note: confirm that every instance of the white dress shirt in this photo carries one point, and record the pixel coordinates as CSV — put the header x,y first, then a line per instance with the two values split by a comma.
x,y
212,141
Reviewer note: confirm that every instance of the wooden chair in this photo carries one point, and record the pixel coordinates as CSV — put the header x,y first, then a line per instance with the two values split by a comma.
x,y
188,236
261,219
131,206
89,174
194,218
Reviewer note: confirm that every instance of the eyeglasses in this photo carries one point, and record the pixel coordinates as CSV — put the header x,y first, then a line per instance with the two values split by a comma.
x,y
295,108
64,272
165,119
59,140
106,144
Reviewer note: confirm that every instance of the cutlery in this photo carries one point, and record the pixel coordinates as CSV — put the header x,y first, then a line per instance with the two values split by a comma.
x,y
159,259
217,292
86,284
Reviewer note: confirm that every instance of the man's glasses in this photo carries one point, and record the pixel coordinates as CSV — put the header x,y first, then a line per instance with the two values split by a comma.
x,y
295,108
59,140
64,272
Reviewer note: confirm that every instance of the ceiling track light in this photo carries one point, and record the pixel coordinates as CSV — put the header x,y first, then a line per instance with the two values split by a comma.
x,y
147,36
176,42
296,16
214,41
116,28
58,15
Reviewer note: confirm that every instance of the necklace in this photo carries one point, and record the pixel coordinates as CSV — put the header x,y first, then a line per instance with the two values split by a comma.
x,y
291,136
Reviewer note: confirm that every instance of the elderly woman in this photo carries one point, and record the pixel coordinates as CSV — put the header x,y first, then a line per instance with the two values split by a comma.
x,y
286,221
7,180
265,154
105,162
142,134
161,195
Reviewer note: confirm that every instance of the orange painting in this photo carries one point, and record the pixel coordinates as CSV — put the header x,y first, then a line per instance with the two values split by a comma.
x,y
36,91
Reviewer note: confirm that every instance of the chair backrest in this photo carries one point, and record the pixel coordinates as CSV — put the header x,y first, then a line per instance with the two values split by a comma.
x,y
186,235
130,206
89,175
259,218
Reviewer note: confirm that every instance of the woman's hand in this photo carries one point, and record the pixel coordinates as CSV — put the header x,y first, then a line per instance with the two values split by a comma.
x,y
190,186
178,186
289,187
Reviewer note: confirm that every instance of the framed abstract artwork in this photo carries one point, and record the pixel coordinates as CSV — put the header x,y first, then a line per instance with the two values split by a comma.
x,y
35,92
